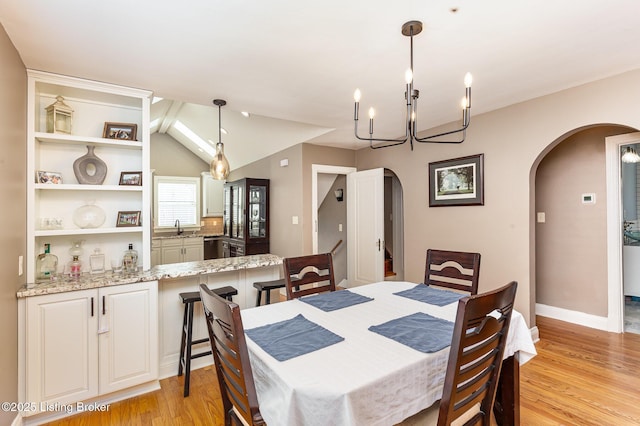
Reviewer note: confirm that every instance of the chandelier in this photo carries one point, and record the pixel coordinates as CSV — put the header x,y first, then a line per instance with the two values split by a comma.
x,y
410,29
219,168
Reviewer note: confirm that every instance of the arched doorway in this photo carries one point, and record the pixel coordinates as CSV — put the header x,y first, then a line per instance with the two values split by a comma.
x,y
570,229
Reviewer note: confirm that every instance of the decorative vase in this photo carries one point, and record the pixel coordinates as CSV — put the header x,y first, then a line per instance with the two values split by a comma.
x,y
90,169
89,216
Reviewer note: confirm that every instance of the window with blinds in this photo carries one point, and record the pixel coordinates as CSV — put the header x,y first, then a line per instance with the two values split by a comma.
x,y
176,198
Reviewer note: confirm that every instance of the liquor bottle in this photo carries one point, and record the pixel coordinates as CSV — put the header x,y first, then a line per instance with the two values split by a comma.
x,y
130,260
46,264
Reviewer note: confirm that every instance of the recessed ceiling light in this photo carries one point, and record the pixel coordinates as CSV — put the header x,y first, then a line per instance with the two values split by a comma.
x,y
245,114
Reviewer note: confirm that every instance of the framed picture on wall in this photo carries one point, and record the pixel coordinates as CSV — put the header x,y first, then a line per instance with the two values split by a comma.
x,y
457,182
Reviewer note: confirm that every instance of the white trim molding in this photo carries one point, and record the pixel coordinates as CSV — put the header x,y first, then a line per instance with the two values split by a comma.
x,y
574,317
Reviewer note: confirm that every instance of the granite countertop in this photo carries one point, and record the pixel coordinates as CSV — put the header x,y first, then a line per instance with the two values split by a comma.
x,y
185,235
160,272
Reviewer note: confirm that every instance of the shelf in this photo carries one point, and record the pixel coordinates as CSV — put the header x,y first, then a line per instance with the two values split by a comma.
x,y
87,231
84,140
79,187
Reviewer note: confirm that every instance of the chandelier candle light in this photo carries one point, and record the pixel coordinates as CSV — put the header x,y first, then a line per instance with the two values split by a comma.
x,y
219,165
411,29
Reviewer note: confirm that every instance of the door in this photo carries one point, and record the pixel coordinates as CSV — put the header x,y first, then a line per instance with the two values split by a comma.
x,y
62,347
128,332
365,227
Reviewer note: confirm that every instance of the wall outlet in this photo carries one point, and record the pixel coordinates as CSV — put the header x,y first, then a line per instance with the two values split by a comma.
x,y
294,220
339,227
541,217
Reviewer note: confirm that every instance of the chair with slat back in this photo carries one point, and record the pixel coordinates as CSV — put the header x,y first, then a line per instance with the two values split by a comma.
x,y
453,269
303,273
231,359
475,357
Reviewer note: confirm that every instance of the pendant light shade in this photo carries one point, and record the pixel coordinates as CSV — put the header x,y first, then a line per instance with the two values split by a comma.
x,y
219,168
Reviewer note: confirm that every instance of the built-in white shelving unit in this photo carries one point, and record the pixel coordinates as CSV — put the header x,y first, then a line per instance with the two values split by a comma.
x,y
94,103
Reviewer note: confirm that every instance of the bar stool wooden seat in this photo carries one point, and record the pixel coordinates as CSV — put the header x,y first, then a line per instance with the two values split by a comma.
x,y
267,286
189,299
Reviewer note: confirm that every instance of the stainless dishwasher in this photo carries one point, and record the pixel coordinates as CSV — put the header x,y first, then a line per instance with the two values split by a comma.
x,y
211,248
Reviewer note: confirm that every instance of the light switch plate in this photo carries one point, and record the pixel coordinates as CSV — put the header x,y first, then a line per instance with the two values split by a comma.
x,y
294,220
541,217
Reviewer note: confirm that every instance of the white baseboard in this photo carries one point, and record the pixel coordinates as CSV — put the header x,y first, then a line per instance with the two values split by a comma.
x,y
574,317
535,334
17,421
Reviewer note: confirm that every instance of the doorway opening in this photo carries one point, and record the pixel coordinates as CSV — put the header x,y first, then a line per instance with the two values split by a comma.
x,y
330,200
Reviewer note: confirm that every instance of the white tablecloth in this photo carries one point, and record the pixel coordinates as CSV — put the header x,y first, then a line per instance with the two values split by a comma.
x,y
367,379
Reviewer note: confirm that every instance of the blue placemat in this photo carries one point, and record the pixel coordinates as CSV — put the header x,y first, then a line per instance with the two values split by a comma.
x,y
433,296
291,338
335,300
419,331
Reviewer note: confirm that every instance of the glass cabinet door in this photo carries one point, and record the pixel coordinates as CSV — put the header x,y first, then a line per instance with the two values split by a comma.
x,y
237,221
257,211
227,209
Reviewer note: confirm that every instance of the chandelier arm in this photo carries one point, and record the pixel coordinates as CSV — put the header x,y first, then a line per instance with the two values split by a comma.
x,y
371,139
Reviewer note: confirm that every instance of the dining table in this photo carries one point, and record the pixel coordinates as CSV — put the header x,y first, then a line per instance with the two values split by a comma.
x,y
350,357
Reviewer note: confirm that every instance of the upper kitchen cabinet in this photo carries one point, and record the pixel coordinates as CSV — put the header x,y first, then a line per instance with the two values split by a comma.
x,y
89,173
246,217
212,193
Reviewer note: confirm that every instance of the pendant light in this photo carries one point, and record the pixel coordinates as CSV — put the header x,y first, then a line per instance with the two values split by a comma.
x,y
219,165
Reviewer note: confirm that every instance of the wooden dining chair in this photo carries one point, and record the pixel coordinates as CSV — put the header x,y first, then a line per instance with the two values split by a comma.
x,y
453,269
475,357
229,348
303,275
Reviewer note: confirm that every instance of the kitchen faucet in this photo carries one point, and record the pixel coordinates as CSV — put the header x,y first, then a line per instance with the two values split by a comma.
x,y
177,225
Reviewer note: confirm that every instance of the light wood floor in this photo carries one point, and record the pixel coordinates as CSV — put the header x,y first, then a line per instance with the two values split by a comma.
x,y
580,377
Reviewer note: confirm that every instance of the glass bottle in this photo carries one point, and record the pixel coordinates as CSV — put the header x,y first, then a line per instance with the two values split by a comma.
x,y
96,262
130,260
46,264
75,268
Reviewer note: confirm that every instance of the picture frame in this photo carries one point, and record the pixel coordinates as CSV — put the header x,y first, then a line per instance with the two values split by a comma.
x,y
120,131
131,178
128,218
48,177
457,182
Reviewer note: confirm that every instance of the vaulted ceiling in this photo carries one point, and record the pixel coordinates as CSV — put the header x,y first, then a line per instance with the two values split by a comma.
x,y
294,65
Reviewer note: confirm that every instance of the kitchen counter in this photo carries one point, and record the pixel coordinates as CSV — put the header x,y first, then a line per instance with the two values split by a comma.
x,y
185,235
157,273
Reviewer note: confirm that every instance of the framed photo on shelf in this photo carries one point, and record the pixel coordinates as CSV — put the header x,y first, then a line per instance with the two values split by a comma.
x,y
131,178
129,218
121,131
457,182
48,177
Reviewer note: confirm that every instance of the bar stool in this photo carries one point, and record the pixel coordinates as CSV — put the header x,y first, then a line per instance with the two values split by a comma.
x,y
189,299
267,286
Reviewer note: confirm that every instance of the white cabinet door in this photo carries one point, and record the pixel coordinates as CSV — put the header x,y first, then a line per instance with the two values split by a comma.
x,y
172,253
193,250
128,329
212,194
62,347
